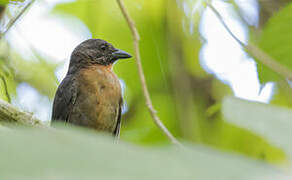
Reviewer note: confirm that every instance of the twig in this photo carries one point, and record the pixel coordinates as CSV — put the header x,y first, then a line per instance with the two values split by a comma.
x,y
13,21
255,51
224,24
151,109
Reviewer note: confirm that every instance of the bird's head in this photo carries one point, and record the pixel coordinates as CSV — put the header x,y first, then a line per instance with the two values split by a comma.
x,y
96,51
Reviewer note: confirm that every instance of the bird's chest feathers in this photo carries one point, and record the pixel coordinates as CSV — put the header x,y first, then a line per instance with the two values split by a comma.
x,y
101,82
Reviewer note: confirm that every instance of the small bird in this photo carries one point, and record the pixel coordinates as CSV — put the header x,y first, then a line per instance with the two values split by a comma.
x,y
90,94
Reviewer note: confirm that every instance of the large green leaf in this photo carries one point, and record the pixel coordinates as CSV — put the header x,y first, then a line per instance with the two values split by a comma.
x,y
269,121
276,40
53,154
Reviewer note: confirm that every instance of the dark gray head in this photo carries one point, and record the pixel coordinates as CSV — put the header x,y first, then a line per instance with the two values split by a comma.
x,y
96,51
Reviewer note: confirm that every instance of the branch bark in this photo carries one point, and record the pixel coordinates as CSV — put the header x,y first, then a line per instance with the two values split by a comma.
x,y
9,113
255,51
148,100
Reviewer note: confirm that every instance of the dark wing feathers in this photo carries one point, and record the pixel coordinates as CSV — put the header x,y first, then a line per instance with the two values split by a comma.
x,y
118,126
65,99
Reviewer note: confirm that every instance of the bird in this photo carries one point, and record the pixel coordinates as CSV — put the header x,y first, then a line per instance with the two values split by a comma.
x,y
90,95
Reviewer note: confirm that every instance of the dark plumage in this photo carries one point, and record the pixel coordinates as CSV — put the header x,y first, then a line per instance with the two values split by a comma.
x,y
90,94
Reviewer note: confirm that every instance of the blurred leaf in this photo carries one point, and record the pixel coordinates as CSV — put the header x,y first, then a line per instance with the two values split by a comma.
x,y
236,139
3,2
7,82
39,74
282,94
141,128
276,41
53,154
4,90
220,90
272,122
183,20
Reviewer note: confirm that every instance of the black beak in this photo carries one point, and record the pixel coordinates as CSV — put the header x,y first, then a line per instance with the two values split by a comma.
x,y
120,54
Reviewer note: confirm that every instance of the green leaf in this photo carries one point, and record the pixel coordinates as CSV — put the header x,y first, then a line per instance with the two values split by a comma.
x,y
8,83
141,129
276,40
269,121
75,154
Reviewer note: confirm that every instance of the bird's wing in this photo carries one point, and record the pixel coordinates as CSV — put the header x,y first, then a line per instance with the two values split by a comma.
x,y
65,99
118,126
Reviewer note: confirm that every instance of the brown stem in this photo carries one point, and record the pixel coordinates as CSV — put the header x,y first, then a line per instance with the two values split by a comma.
x,y
151,109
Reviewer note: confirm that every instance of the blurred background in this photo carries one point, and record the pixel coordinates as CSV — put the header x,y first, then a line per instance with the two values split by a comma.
x,y
190,62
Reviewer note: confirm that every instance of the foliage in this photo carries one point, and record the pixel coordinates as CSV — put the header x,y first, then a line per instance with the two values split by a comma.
x,y
75,154
40,76
190,101
4,2
279,45
268,121
170,55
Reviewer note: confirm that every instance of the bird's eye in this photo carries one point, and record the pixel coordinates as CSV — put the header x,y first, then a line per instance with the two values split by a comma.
x,y
103,47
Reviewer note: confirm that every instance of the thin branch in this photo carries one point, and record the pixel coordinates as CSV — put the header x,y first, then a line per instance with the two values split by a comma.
x,y
151,109
13,21
224,24
256,52
267,60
